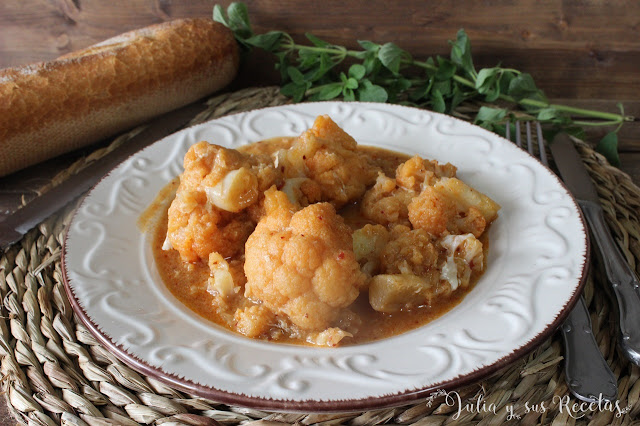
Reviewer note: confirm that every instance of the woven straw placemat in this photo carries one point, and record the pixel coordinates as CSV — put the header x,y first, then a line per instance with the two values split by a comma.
x,y
55,372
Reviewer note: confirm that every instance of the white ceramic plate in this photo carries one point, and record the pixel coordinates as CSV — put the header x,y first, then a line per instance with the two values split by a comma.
x,y
536,268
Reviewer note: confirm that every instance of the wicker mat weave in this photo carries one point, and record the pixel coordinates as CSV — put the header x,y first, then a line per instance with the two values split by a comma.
x,y
55,372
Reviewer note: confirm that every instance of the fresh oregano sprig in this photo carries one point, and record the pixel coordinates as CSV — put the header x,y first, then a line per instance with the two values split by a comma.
x,y
386,73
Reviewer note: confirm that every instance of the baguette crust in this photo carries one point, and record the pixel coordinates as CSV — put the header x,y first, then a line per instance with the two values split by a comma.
x,y
50,108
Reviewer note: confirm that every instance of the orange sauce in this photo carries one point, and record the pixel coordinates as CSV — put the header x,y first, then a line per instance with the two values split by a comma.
x,y
188,281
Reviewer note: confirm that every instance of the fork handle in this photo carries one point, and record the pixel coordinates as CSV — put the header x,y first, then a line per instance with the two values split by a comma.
x,y
587,373
624,282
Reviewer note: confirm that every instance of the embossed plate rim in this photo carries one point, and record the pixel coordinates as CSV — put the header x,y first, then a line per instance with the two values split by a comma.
x,y
360,385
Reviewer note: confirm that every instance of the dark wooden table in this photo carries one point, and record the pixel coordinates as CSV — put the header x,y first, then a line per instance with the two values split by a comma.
x,y
585,54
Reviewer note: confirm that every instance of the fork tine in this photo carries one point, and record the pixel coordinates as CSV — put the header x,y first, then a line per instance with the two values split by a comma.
x,y
518,139
541,145
529,138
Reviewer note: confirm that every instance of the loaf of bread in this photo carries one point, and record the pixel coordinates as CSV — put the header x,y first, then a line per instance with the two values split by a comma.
x,y
54,107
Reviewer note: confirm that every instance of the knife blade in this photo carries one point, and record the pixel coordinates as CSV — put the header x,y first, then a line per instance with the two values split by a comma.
x,y
624,283
14,226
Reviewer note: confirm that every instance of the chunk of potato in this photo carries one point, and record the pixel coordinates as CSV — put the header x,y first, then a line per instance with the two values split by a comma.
x,y
393,292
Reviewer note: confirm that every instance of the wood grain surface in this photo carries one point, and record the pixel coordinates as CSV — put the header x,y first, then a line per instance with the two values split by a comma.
x,y
584,52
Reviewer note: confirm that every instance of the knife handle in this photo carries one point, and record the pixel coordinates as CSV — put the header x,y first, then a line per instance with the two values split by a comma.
x,y
623,280
587,373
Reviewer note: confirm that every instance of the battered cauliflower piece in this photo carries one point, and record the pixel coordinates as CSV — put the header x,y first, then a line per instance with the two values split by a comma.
x,y
207,214
386,202
327,155
329,337
301,264
226,276
416,269
464,255
467,197
409,276
409,251
254,320
368,244
416,173
302,191
452,207
197,228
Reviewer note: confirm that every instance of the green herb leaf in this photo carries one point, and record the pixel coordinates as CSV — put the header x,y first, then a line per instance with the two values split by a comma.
x,y
316,41
239,19
446,69
370,92
330,91
458,97
220,16
296,76
357,71
269,41
295,91
387,73
391,56
547,114
351,83
348,95
489,115
487,79
461,53
437,101
608,146
369,46
444,87
522,86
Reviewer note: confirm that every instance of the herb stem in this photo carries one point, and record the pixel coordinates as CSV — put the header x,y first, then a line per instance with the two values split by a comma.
x,y
597,123
611,118
608,118
581,112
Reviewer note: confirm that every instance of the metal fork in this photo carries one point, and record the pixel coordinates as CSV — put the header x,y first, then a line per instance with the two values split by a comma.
x,y
587,373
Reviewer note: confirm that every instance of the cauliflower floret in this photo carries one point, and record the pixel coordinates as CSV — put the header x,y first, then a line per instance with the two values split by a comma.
x,y
440,214
254,320
415,272
467,197
327,155
409,251
196,228
226,278
368,243
409,272
451,206
206,164
207,214
329,337
302,191
431,211
302,264
386,202
416,173
464,256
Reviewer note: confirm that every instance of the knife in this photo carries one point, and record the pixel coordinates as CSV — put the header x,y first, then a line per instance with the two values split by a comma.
x,y
14,226
624,283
